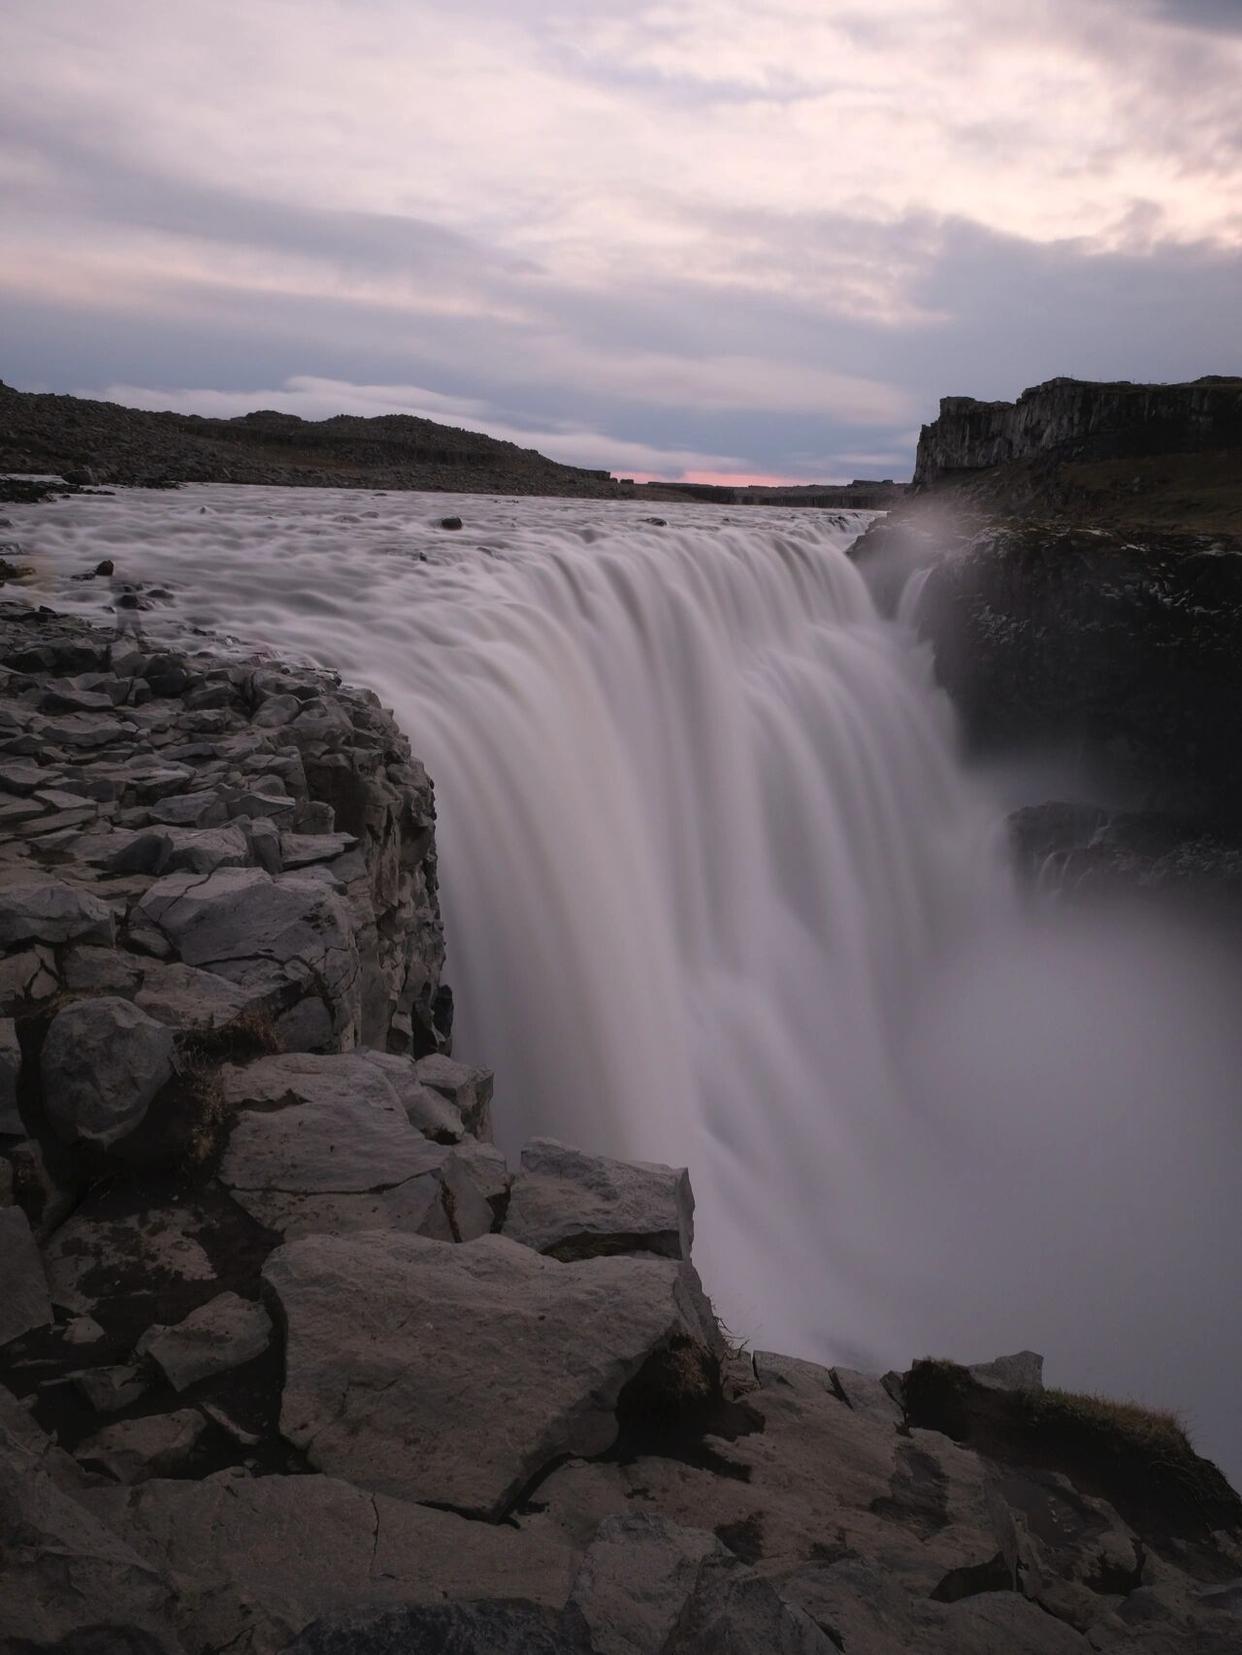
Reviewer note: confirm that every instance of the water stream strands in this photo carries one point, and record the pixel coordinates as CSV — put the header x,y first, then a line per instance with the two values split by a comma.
x,y
719,891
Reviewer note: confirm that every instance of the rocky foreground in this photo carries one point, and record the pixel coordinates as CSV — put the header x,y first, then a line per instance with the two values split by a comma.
x,y
293,1359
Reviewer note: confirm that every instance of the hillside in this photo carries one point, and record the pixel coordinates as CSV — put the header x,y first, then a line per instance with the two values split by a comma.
x,y
102,442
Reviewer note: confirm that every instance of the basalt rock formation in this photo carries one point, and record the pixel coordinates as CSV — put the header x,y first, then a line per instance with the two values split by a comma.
x,y
291,1358
91,443
1074,419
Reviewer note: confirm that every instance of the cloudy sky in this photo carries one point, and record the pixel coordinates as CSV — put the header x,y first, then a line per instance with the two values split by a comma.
x,y
749,238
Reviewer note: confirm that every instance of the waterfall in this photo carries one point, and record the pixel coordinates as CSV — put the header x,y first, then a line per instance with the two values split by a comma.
x,y
719,891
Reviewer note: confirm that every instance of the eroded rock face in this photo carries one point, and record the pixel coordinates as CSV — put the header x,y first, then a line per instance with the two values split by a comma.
x,y
1077,419
160,819
1118,652
453,1375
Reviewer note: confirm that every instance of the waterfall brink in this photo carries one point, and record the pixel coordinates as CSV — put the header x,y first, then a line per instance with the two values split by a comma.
x,y
719,891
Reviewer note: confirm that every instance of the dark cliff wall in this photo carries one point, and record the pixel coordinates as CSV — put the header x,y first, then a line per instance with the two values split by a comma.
x,y
1077,419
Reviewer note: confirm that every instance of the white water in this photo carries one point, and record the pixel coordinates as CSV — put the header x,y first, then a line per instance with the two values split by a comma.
x,y
719,891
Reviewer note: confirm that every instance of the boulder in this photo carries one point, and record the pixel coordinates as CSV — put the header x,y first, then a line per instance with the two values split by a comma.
x,y
221,1334
635,1579
467,1087
476,1181
869,1395
92,1258
1023,1371
572,1206
453,1375
154,1446
50,911
103,1063
339,1155
253,928
24,1301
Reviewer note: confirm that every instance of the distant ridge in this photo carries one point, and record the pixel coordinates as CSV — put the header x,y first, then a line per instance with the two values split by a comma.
x,y
102,442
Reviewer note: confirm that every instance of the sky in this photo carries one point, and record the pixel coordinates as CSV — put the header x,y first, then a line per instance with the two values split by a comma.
x,y
753,239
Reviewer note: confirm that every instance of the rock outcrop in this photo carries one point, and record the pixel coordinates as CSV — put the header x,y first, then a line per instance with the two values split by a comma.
x,y
291,1359
1120,651
1073,419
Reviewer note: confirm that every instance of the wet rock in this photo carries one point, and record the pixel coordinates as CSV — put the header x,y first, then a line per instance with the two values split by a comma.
x,y
24,1302
454,1374
134,1449
450,523
34,909
571,1205
103,1063
221,1334
92,1258
513,1627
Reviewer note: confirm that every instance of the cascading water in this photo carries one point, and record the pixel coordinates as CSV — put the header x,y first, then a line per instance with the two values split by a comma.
x,y
718,891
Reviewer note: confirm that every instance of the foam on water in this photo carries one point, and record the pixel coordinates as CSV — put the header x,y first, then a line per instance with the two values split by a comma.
x,y
719,891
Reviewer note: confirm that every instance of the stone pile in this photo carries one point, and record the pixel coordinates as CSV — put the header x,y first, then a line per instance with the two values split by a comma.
x,y
290,1356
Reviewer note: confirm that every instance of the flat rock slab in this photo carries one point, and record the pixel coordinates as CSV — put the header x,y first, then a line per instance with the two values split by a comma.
x,y
221,1334
48,910
266,1556
453,1375
24,1301
573,1206
135,1449
91,1260
323,1146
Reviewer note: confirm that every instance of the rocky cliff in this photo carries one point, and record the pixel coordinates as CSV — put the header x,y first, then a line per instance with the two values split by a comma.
x,y
291,1358
91,442
1072,419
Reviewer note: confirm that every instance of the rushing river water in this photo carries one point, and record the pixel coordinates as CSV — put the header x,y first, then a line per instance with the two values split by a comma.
x,y
718,890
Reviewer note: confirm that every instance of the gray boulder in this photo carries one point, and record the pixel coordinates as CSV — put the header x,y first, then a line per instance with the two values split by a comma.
x,y
154,1446
1023,1371
573,1206
453,1375
221,1334
24,1301
291,931
467,1087
321,1145
36,909
867,1394
635,1578
103,1063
